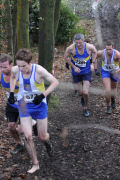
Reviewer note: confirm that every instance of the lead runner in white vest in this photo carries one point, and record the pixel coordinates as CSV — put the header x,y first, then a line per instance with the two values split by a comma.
x,y
30,94
32,100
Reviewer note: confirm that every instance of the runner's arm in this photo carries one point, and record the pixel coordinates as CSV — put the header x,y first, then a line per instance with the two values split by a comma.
x,y
92,50
94,53
43,73
118,58
99,53
13,78
67,56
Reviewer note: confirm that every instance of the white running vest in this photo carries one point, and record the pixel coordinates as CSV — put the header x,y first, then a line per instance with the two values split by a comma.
x,y
109,67
28,95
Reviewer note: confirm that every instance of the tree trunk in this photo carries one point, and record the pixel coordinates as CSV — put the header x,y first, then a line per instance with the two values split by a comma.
x,y
49,16
1,26
14,22
46,34
8,26
22,24
56,16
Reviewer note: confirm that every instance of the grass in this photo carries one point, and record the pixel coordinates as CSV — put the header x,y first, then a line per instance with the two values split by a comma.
x,y
118,16
53,102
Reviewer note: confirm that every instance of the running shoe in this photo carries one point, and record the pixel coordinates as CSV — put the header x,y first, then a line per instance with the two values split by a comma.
x,y
113,102
86,113
19,148
82,101
35,130
109,110
75,93
49,148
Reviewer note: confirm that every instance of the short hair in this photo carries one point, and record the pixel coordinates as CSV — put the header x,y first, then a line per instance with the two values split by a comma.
x,y
109,43
79,37
5,57
24,55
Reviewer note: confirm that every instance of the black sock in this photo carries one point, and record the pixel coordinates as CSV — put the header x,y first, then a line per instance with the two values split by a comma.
x,y
47,144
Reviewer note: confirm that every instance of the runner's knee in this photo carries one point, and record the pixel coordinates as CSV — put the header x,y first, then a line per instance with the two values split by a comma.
x,y
85,92
12,126
28,137
43,136
19,129
108,92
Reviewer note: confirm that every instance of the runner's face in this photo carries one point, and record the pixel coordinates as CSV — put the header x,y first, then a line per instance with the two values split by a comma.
x,y
79,43
109,50
5,67
23,66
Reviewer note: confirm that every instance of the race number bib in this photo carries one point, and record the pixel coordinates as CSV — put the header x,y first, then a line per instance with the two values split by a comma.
x,y
29,96
109,67
80,62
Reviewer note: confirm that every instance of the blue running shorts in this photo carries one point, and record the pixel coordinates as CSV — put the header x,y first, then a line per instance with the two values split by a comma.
x,y
35,111
84,77
107,74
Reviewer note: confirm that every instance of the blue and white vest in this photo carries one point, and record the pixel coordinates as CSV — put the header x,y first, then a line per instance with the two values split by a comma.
x,y
110,65
29,88
82,61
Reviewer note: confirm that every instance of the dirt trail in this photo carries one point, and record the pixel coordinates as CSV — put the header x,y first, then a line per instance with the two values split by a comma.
x,y
85,148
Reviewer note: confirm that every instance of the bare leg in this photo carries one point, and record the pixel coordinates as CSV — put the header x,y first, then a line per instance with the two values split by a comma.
x,y
78,87
42,126
44,136
32,152
114,86
19,129
107,85
86,85
14,133
26,124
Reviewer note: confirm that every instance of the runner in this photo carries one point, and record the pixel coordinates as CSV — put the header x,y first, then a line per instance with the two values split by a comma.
x,y
11,110
78,56
32,100
110,63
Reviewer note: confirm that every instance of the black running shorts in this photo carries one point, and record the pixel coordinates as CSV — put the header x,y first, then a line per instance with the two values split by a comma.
x,y
11,113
